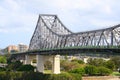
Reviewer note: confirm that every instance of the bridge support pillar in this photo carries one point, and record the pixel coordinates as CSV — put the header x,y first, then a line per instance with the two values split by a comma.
x,y
40,63
56,64
27,59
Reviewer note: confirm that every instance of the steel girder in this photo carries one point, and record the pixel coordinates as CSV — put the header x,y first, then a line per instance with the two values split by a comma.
x,y
51,33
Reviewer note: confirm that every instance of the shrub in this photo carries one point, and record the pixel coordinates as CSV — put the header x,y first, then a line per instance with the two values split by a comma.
x,y
3,76
116,61
65,76
14,66
3,59
77,76
110,64
78,71
79,61
96,62
102,71
32,76
90,70
27,67
67,65
37,76
2,69
9,75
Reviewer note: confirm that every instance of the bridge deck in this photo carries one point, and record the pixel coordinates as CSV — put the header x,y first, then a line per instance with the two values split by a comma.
x,y
75,50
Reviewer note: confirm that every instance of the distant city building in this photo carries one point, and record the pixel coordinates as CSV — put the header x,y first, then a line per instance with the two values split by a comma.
x,y
12,48
22,47
18,48
1,52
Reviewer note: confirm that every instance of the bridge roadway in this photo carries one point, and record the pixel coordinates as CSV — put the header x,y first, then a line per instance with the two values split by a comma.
x,y
113,50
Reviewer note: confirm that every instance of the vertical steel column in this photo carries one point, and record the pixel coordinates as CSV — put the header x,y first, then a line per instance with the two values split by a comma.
x,y
112,38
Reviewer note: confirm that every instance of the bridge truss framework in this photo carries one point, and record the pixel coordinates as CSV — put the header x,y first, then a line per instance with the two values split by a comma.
x,y
50,33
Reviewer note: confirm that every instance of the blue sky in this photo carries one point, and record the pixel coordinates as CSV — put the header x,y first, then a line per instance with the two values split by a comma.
x,y
18,18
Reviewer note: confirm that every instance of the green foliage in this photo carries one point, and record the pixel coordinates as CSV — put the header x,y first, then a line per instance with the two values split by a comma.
x,y
116,74
68,65
64,76
3,59
10,76
2,69
78,71
37,76
113,63
90,70
116,61
76,77
32,76
110,64
79,61
96,62
102,71
66,58
4,76
14,65
26,68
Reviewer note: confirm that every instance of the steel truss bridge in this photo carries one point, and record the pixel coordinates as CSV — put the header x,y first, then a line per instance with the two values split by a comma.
x,y
51,34
52,37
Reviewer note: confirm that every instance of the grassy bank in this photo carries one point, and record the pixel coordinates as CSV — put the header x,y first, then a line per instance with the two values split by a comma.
x,y
115,74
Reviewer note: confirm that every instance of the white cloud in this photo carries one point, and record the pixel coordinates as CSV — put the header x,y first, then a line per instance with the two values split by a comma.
x,y
103,23
3,31
72,12
20,17
108,9
12,4
14,19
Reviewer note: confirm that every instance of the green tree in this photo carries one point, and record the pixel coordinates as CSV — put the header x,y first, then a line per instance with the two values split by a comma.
x,y
103,71
78,71
2,69
14,65
90,70
68,65
110,64
79,61
96,62
3,59
116,61
27,67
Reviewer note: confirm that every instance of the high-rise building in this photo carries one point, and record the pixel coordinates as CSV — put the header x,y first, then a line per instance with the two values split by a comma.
x,y
22,47
12,48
